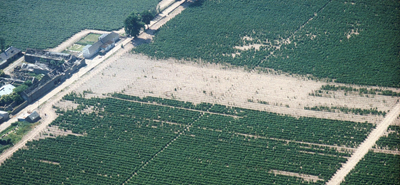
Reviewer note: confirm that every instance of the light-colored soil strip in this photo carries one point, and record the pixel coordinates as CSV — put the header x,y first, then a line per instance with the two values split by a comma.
x,y
393,152
49,162
363,149
306,177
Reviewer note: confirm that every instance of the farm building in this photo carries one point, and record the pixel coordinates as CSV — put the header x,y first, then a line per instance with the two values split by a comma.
x,y
6,89
105,43
9,55
29,117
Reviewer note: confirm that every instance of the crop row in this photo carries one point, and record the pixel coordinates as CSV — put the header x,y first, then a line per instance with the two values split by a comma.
x,y
346,110
372,91
206,157
375,168
390,141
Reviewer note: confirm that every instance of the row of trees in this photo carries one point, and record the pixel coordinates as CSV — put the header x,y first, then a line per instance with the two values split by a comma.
x,y
346,110
360,90
134,23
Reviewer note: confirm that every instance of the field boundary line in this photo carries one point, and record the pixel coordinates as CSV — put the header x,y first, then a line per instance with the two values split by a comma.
x,y
365,146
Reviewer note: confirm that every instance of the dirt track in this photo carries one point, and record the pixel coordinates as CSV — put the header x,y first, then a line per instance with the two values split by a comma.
x,y
365,146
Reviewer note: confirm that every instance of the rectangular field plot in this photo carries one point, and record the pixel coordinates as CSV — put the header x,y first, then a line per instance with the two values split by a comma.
x,y
376,168
209,157
160,141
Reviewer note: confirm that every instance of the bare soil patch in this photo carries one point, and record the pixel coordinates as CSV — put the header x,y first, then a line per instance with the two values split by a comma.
x,y
141,76
308,178
53,132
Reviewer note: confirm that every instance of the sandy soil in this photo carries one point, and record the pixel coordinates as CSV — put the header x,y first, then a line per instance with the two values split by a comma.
x,y
198,82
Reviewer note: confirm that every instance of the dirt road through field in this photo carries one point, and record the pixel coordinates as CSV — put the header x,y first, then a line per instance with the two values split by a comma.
x,y
365,146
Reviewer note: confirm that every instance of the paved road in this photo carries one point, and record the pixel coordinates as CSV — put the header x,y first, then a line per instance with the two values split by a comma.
x,y
365,146
94,66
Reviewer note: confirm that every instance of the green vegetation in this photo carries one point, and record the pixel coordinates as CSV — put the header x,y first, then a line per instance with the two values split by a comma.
x,y
89,39
15,95
174,142
147,16
354,43
133,24
18,130
2,44
360,90
44,24
375,168
392,140
346,110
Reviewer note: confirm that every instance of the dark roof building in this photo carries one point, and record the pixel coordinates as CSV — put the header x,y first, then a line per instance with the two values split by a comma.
x,y
9,55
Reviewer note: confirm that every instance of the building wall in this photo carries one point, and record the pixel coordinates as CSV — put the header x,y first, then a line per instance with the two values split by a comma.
x,y
8,61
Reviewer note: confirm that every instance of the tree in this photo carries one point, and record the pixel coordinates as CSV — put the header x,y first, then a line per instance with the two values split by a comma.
x,y
2,74
133,25
146,16
2,43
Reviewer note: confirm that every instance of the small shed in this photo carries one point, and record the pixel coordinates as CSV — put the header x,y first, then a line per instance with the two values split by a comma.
x,y
29,117
33,117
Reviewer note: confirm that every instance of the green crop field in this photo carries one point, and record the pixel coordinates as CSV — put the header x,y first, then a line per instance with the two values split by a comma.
x,y
379,168
375,168
353,42
45,24
161,141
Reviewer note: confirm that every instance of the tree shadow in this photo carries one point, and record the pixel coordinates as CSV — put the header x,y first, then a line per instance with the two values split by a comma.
x,y
139,41
196,3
